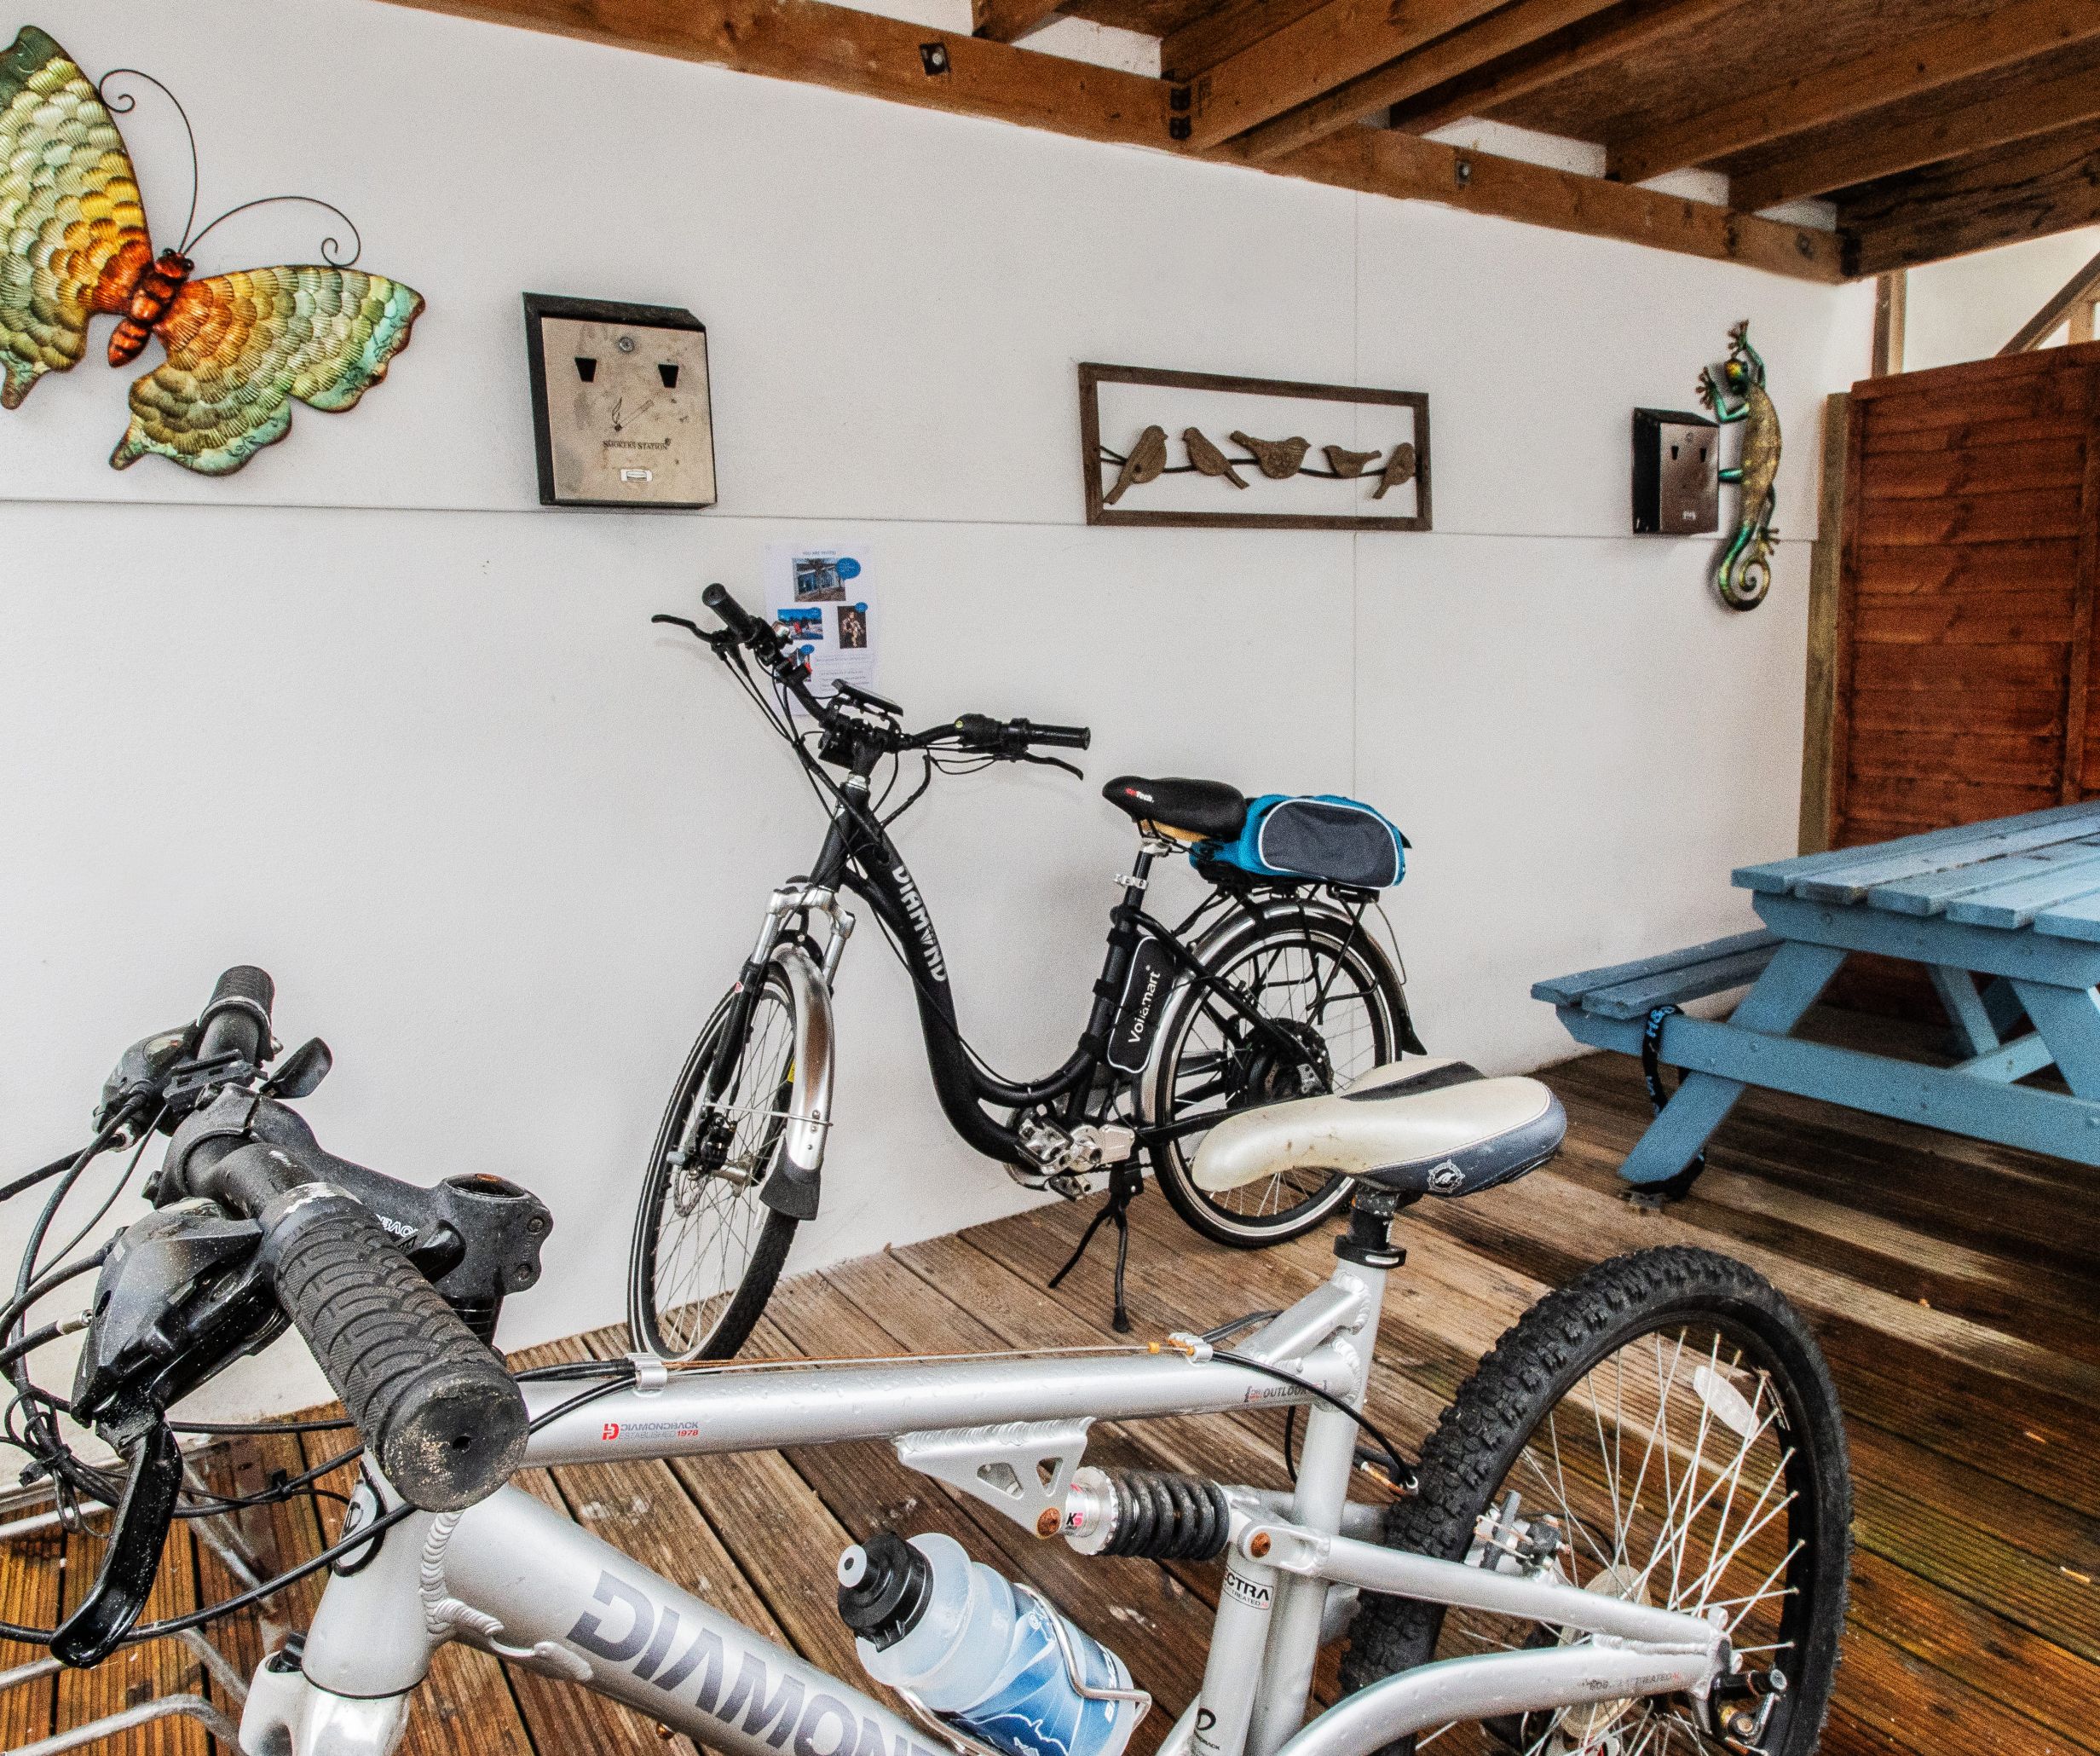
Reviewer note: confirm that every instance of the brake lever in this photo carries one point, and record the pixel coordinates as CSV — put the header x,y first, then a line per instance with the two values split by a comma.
x,y
718,640
118,1598
1077,773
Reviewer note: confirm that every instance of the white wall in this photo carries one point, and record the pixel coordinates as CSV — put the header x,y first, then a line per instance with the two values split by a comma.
x,y
367,715
1969,308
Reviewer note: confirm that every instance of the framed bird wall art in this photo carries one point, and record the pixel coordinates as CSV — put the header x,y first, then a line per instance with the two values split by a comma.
x,y
240,348
1199,448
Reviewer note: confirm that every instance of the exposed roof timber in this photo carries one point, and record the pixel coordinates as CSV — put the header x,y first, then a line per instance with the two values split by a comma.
x,y
1010,20
1220,33
1517,26
2028,109
2080,289
1595,42
1313,55
822,45
1810,100
819,44
1382,161
2028,190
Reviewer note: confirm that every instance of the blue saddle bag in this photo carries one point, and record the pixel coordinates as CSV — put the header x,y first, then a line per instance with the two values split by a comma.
x,y
1316,835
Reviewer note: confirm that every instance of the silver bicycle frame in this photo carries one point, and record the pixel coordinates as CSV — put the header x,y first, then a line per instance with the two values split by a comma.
x,y
518,1580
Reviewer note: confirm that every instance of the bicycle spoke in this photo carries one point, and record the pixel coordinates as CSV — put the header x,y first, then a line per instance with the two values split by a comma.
x,y
1665,1488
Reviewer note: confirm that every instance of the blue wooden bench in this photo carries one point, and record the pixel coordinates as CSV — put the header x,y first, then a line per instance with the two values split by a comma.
x,y
1633,991
2004,917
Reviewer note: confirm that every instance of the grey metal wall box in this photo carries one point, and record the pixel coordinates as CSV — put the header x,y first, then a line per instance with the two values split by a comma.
x,y
1677,479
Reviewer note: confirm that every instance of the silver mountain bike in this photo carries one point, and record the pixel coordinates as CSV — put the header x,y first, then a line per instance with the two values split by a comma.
x,y
1627,1536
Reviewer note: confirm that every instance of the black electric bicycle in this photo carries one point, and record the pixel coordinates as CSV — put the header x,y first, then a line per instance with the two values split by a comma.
x,y
1269,989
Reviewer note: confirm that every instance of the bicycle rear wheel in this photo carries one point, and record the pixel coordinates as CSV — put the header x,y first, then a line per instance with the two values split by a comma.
x,y
707,1250
1662,1430
1340,1010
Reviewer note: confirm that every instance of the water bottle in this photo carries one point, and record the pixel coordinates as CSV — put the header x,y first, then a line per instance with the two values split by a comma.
x,y
957,1636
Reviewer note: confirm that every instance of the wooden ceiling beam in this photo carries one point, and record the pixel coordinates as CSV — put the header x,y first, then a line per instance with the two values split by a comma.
x,y
2030,109
850,50
1224,30
1814,99
1596,41
1010,20
2031,189
1382,161
1515,27
1313,54
818,44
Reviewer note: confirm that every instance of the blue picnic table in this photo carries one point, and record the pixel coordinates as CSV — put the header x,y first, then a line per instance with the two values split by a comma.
x,y
2004,917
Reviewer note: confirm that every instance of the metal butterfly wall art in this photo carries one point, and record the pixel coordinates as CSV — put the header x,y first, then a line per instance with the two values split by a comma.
x,y
241,348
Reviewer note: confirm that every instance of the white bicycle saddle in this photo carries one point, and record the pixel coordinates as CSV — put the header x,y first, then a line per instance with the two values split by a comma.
x,y
1437,1127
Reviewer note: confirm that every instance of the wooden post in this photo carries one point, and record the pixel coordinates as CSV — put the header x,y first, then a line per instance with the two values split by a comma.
x,y
1891,300
1819,708
2081,321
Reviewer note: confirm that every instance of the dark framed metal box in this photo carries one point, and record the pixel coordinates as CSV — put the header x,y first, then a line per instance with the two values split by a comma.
x,y
1677,473
622,404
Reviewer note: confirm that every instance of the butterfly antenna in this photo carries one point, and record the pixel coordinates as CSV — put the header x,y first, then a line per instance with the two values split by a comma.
x,y
330,247
123,103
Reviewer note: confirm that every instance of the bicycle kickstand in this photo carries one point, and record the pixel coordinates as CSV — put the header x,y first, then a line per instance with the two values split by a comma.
x,y
1124,1183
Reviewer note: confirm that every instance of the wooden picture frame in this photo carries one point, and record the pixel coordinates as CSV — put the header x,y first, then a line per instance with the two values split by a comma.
x,y
1092,375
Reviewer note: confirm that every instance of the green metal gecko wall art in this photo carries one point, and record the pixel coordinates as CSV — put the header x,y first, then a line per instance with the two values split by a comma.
x,y
1736,394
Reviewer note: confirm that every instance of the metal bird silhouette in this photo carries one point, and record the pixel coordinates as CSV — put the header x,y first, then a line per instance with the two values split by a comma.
x,y
1208,459
1346,462
1279,458
1148,457
1399,469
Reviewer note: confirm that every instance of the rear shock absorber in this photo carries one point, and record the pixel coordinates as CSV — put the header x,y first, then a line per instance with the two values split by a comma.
x,y
1146,1513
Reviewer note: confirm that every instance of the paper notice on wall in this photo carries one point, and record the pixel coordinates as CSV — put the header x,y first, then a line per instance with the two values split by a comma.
x,y
821,598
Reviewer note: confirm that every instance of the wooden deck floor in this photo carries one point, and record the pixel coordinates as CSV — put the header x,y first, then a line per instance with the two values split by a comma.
x,y
1954,1284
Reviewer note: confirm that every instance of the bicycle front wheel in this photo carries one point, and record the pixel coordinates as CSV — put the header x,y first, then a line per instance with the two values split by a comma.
x,y
1663,1429
707,1250
1338,1011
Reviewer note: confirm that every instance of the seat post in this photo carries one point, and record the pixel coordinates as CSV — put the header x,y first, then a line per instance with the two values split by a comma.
x,y
1368,1242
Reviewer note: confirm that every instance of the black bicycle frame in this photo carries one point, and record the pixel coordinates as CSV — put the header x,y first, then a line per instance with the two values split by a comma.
x,y
858,855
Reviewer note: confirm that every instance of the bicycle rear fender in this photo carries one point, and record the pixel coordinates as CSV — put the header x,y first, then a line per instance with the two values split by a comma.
x,y
1248,921
793,1185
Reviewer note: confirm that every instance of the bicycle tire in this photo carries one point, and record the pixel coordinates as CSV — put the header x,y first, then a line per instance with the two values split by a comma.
x,y
1239,1219
1478,1454
722,1317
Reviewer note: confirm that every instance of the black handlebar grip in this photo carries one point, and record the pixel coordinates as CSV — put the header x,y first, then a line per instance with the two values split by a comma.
x,y
741,623
237,1017
1072,737
443,1418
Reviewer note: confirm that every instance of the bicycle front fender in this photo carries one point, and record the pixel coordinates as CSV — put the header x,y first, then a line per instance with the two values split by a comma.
x,y
793,1186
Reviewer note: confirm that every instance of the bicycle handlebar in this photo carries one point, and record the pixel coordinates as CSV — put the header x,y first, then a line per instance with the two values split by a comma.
x,y
1069,737
1011,738
740,621
439,1411
1008,739
443,1418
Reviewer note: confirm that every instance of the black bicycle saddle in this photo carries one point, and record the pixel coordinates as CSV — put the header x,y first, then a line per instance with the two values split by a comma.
x,y
1208,810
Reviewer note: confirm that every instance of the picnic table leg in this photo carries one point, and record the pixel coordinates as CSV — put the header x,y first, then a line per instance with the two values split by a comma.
x,y
1976,1031
2003,1005
2068,1020
1790,986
